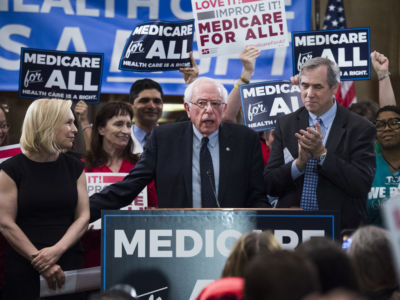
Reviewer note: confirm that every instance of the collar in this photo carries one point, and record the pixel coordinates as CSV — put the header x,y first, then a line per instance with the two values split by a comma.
x,y
327,118
213,137
139,133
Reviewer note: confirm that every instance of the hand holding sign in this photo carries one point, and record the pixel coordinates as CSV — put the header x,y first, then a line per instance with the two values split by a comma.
x,y
81,111
248,58
191,73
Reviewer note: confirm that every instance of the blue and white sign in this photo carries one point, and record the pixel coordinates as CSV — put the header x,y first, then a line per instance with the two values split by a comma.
x,y
173,254
63,75
158,46
105,26
349,48
264,102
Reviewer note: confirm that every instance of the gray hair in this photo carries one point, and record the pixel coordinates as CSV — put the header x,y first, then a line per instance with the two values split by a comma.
x,y
333,74
189,90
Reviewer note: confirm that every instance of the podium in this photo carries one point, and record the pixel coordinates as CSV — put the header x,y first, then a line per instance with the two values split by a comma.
x,y
173,254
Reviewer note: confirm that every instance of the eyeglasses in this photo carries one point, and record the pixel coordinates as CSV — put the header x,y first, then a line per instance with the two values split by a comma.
x,y
393,123
203,104
4,126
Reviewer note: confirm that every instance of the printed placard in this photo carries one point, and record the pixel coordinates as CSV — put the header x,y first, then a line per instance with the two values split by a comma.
x,y
226,26
58,74
264,102
349,48
173,254
158,46
96,182
9,151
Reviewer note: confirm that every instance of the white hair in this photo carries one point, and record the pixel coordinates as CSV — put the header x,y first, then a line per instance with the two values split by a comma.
x,y
189,90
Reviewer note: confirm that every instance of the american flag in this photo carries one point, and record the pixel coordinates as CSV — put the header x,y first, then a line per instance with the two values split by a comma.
x,y
335,19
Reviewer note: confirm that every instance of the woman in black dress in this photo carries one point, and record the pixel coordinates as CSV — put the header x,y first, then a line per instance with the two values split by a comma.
x,y
44,205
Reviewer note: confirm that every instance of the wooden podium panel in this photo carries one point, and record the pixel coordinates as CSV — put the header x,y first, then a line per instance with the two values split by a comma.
x,y
173,254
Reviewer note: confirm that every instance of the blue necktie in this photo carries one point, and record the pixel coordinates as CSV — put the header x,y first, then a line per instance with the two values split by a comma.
x,y
208,195
309,195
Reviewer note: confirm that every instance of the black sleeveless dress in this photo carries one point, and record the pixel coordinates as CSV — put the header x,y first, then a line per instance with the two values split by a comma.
x,y
47,198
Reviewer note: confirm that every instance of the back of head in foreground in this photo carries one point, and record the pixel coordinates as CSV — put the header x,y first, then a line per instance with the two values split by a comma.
x,y
247,246
372,258
280,275
333,265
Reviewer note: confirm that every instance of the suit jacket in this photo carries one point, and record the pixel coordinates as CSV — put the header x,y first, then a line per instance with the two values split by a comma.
x,y
167,158
345,177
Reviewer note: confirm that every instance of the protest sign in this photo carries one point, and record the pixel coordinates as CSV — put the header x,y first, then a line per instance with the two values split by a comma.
x,y
96,182
349,48
57,74
9,151
227,26
264,102
158,46
105,26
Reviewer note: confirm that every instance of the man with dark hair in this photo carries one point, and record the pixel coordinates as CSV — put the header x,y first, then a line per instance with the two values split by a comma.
x,y
323,155
280,275
387,176
146,99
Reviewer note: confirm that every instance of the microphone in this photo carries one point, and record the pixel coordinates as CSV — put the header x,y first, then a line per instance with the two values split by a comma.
x,y
209,175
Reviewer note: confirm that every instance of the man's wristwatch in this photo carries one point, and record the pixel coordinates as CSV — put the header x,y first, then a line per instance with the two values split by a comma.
x,y
322,156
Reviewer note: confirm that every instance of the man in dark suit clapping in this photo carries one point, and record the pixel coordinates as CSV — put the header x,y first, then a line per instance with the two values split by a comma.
x,y
323,155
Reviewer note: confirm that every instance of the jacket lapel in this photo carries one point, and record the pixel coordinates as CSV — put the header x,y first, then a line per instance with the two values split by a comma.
x,y
186,148
225,158
337,129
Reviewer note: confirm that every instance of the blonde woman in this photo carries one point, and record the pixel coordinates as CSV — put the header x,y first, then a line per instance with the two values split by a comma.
x,y
248,246
44,205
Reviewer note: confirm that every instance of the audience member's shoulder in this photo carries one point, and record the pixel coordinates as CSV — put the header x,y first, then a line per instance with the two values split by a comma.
x,y
12,160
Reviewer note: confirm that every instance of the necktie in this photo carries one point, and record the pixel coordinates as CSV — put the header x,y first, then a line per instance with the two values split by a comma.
x,y
146,138
208,194
309,194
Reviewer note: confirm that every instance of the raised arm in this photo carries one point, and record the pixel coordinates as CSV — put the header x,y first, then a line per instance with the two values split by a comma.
x,y
50,255
191,73
248,58
380,64
81,111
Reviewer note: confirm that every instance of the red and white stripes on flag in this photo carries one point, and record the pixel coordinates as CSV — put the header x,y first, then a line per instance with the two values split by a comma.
x,y
346,93
336,19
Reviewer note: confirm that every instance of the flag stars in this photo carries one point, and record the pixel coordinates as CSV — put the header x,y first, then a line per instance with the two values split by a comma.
x,y
340,9
332,7
328,17
334,23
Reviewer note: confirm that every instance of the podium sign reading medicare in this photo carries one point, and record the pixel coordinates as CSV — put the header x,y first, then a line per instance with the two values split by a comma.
x,y
349,48
173,254
57,74
264,102
158,46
